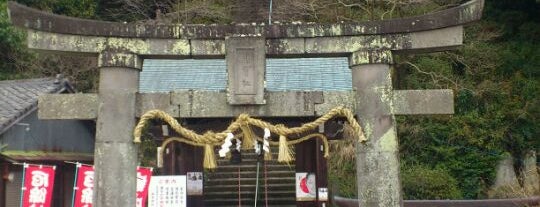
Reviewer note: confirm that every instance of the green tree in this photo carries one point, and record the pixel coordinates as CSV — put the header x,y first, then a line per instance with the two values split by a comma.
x,y
495,76
12,50
16,61
74,8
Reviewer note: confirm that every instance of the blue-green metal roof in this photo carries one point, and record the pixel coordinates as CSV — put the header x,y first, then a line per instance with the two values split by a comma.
x,y
282,74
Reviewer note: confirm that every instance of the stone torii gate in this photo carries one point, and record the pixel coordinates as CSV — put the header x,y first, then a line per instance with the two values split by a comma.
x,y
121,48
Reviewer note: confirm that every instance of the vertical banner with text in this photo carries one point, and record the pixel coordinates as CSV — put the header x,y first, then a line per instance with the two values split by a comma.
x,y
84,186
38,185
143,181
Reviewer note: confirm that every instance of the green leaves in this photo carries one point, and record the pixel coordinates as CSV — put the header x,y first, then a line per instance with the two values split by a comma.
x,y
495,76
421,182
73,8
11,46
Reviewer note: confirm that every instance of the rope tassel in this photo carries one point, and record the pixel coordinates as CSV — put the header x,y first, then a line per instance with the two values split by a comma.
x,y
285,153
243,125
247,142
268,155
209,157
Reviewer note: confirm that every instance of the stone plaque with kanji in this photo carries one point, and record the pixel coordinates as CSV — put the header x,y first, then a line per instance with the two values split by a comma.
x,y
246,63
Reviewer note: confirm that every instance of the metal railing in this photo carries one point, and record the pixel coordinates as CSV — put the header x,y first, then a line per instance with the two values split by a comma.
x,y
514,202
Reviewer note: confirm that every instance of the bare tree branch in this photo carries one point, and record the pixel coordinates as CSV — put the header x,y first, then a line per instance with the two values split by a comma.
x,y
436,78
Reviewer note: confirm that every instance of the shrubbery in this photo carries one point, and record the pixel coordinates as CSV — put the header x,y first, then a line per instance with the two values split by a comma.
x,y
421,182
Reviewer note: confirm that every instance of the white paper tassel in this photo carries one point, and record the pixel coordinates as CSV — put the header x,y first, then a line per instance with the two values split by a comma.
x,y
266,144
256,147
238,145
225,148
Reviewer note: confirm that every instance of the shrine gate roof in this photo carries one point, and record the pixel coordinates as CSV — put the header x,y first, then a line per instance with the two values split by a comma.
x,y
282,74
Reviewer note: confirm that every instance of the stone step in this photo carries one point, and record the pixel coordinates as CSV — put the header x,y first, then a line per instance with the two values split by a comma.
x,y
252,161
249,181
233,193
247,201
261,203
213,179
221,185
252,152
234,188
251,167
250,192
252,174
248,159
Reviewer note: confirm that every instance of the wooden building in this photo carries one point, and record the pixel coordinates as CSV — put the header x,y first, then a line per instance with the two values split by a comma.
x,y
25,138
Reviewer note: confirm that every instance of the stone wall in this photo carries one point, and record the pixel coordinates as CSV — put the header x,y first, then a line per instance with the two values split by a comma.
x,y
507,183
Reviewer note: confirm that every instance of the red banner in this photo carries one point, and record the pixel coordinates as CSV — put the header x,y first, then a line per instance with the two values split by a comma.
x,y
143,181
84,186
37,186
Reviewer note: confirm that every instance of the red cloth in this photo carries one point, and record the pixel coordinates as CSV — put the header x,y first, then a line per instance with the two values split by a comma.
x,y
38,185
84,186
143,181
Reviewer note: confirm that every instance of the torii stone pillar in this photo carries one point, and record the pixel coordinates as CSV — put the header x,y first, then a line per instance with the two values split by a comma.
x,y
115,153
377,161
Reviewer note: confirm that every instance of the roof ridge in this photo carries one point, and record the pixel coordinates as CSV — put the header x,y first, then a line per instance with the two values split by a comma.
x,y
19,97
25,80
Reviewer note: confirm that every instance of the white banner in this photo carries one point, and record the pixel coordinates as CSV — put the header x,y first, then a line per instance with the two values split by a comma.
x,y
167,191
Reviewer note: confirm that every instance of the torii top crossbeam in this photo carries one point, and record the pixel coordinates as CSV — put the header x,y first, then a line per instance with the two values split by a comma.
x,y
43,21
54,32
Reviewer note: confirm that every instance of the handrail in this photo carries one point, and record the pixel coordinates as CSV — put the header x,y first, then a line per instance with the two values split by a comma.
x,y
512,202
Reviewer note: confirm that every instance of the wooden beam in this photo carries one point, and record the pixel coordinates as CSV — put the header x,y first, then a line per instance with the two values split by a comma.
x,y
411,102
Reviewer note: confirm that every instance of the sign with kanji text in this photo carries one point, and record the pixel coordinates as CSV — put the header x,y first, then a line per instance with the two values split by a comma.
x,y
194,183
167,191
144,176
84,186
38,185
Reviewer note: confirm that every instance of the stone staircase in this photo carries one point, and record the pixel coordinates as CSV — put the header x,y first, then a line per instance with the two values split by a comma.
x,y
221,185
